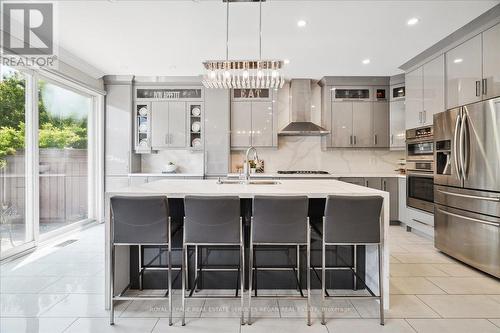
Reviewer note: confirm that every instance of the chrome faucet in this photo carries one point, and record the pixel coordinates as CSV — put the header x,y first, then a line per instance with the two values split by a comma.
x,y
247,162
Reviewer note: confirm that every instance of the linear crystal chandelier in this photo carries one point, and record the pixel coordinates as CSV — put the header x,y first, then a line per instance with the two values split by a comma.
x,y
245,74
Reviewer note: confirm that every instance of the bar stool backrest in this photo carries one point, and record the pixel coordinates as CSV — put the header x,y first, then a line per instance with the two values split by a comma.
x,y
350,219
140,220
212,219
280,219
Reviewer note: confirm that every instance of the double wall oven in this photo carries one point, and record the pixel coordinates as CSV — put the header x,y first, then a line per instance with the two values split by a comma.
x,y
420,168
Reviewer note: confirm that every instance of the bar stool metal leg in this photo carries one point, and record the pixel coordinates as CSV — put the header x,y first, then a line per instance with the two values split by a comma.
x,y
242,276
308,275
323,276
112,285
196,268
183,269
140,266
250,281
355,265
170,282
380,284
298,266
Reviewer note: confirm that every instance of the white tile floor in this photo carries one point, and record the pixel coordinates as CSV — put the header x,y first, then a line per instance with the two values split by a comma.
x,y
430,292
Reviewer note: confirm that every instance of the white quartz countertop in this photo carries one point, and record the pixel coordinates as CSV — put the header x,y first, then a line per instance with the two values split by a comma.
x,y
161,174
331,175
174,188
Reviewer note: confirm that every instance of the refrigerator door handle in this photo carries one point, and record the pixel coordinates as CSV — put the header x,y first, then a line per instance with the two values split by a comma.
x,y
469,218
461,145
464,143
455,151
494,199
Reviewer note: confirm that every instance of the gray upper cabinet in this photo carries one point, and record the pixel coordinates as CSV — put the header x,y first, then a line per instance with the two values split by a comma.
x,y
381,124
159,125
464,73
362,123
168,125
425,93
414,82
262,124
397,124
217,128
241,124
491,62
177,125
433,93
341,124
252,124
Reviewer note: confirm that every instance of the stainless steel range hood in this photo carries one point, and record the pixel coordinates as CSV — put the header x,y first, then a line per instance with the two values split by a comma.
x,y
301,110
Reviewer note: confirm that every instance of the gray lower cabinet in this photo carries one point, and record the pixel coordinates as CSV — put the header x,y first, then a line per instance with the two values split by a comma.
x,y
374,182
388,184
217,129
391,185
353,180
168,125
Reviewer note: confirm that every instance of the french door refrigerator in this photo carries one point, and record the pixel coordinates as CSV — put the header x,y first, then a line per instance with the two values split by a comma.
x,y
467,184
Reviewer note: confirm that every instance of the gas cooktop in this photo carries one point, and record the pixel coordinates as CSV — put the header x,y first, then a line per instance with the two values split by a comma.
x,y
302,172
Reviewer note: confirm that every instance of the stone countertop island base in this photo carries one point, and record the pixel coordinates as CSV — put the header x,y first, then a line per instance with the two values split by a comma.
x,y
313,189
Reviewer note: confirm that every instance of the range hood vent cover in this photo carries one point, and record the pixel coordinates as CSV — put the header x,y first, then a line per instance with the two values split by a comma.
x,y
301,111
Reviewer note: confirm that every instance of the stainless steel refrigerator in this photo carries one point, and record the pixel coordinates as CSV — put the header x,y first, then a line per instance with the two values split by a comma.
x,y
467,184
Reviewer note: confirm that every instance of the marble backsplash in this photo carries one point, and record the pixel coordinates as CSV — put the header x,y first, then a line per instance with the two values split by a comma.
x,y
304,153
187,161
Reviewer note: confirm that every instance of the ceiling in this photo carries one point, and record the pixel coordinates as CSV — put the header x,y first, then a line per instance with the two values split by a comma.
x,y
174,37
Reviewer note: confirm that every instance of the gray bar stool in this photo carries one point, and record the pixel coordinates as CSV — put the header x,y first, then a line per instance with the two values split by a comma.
x,y
280,221
353,221
212,221
140,221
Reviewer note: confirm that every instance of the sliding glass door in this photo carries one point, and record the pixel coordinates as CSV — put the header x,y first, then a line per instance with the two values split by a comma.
x,y
63,118
16,230
50,157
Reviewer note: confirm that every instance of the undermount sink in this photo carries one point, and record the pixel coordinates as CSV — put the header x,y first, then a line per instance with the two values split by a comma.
x,y
250,182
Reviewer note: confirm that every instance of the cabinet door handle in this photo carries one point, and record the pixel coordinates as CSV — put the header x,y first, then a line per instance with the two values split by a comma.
x,y
420,117
424,113
384,185
375,139
350,139
355,140
392,139
485,86
478,88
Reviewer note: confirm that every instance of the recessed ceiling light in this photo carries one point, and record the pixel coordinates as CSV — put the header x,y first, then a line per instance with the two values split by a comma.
x,y
366,61
301,23
412,21
286,61
458,60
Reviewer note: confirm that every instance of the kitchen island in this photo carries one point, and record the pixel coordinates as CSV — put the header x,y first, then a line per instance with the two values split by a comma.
x,y
315,190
